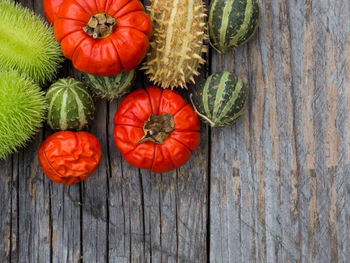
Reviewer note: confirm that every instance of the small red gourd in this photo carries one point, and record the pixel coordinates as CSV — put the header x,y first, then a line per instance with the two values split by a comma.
x,y
69,157
156,129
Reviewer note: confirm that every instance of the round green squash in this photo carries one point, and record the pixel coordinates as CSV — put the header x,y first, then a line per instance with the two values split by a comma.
x,y
22,111
111,87
221,100
71,106
232,23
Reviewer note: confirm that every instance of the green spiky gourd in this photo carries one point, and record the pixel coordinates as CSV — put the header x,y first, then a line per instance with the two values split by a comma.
x,y
232,23
111,87
27,43
176,47
222,99
71,106
22,110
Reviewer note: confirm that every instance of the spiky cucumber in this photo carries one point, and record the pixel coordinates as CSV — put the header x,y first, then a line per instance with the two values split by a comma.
x,y
71,106
177,44
111,87
22,110
222,99
27,43
232,23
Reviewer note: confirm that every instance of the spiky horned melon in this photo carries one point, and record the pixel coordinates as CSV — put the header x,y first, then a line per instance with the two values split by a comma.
x,y
22,111
177,43
27,44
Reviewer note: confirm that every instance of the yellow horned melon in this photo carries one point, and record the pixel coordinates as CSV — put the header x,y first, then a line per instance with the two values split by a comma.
x,y
177,44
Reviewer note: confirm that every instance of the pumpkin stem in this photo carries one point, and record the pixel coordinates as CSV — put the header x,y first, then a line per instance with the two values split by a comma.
x,y
211,123
157,128
100,26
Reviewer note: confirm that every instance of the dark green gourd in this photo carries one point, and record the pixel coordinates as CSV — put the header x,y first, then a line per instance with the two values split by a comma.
x,y
112,87
71,106
221,100
232,23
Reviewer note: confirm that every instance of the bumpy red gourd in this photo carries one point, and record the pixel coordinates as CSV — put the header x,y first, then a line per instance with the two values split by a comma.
x,y
51,8
69,157
103,37
156,129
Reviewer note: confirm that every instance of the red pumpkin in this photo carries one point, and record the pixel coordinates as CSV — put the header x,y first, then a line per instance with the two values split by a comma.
x,y
51,9
69,157
103,37
156,129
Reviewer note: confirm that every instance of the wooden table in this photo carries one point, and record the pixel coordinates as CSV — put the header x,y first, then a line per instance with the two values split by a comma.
x,y
274,187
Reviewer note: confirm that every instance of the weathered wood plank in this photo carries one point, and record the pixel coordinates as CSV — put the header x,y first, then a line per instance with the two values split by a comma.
x,y
192,190
169,219
65,220
295,139
133,207
95,219
160,212
6,209
134,201
176,206
34,232
152,217
66,207
288,176
119,240
300,57
340,24
32,235
329,40
14,208
279,186
192,204
225,191
126,226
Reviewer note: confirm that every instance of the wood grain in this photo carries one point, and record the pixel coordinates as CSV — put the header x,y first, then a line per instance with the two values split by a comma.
x,y
275,194
274,187
6,208
66,208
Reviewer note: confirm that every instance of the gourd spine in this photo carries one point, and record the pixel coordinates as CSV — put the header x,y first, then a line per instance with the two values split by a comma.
x,y
177,44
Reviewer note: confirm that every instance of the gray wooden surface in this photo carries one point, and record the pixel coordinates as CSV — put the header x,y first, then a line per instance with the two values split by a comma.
x,y
274,187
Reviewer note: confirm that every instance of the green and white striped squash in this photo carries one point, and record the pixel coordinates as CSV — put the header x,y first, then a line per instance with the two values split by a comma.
x,y
112,87
232,23
71,106
221,100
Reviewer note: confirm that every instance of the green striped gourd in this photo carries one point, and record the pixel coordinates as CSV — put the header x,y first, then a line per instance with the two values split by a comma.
x,y
111,87
222,99
232,23
176,47
71,106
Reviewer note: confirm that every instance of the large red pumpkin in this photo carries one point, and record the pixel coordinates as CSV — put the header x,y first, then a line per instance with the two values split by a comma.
x,y
156,129
103,37
51,8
